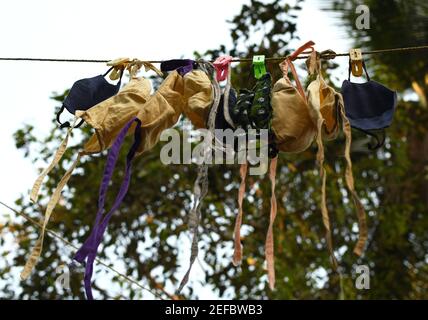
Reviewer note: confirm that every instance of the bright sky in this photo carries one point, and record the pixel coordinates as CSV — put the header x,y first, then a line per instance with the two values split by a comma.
x,y
107,29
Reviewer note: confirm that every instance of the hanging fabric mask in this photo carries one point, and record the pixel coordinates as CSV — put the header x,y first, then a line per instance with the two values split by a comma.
x,y
326,108
322,102
291,123
199,96
369,106
107,118
161,111
86,93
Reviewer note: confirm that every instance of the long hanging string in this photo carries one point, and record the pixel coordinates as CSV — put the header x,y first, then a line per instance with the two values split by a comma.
x,y
56,159
200,188
349,178
237,254
269,244
324,210
246,60
37,249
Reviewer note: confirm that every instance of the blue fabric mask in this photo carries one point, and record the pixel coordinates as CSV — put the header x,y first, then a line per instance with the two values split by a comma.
x,y
86,93
369,106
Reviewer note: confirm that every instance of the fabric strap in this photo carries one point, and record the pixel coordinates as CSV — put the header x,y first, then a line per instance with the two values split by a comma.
x,y
324,210
237,254
37,249
200,188
380,139
89,248
301,50
284,66
349,178
57,157
269,245
66,124
226,98
288,63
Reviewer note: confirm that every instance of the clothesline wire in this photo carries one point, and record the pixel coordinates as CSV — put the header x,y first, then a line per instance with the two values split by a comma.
x,y
268,59
68,243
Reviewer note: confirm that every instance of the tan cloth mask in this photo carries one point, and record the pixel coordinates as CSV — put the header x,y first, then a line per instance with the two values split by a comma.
x,y
199,95
161,111
291,122
322,99
107,118
326,108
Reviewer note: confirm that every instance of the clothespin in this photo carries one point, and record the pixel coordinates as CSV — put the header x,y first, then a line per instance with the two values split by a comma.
x,y
221,65
119,65
356,61
259,66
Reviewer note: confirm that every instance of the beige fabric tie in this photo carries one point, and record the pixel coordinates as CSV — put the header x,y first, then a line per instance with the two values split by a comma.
x,y
37,249
269,244
237,254
324,210
362,223
58,156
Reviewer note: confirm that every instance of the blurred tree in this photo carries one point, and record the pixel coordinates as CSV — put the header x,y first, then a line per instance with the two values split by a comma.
x,y
145,236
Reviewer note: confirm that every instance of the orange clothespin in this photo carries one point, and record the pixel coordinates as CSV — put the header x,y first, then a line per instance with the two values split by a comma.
x,y
221,65
356,61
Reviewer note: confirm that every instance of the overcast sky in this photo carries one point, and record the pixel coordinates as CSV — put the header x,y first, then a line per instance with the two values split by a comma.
x,y
106,29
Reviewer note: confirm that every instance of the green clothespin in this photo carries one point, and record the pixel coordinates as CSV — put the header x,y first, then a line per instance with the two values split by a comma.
x,y
259,66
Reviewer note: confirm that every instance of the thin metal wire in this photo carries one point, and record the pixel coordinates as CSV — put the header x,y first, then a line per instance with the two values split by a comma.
x,y
240,60
55,235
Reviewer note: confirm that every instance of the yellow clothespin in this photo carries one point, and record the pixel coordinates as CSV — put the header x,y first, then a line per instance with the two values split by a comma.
x,y
133,66
356,61
119,65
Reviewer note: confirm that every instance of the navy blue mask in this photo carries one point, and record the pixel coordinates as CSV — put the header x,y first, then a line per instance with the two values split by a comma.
x,y
86,93
369,106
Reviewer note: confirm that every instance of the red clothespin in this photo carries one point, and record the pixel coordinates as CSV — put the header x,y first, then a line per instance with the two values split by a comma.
x,y
221,65
301,50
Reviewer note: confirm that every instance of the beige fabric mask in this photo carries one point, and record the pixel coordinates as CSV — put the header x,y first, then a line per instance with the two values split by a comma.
x,y
109,117
199,95
291,123
161,111
322,99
